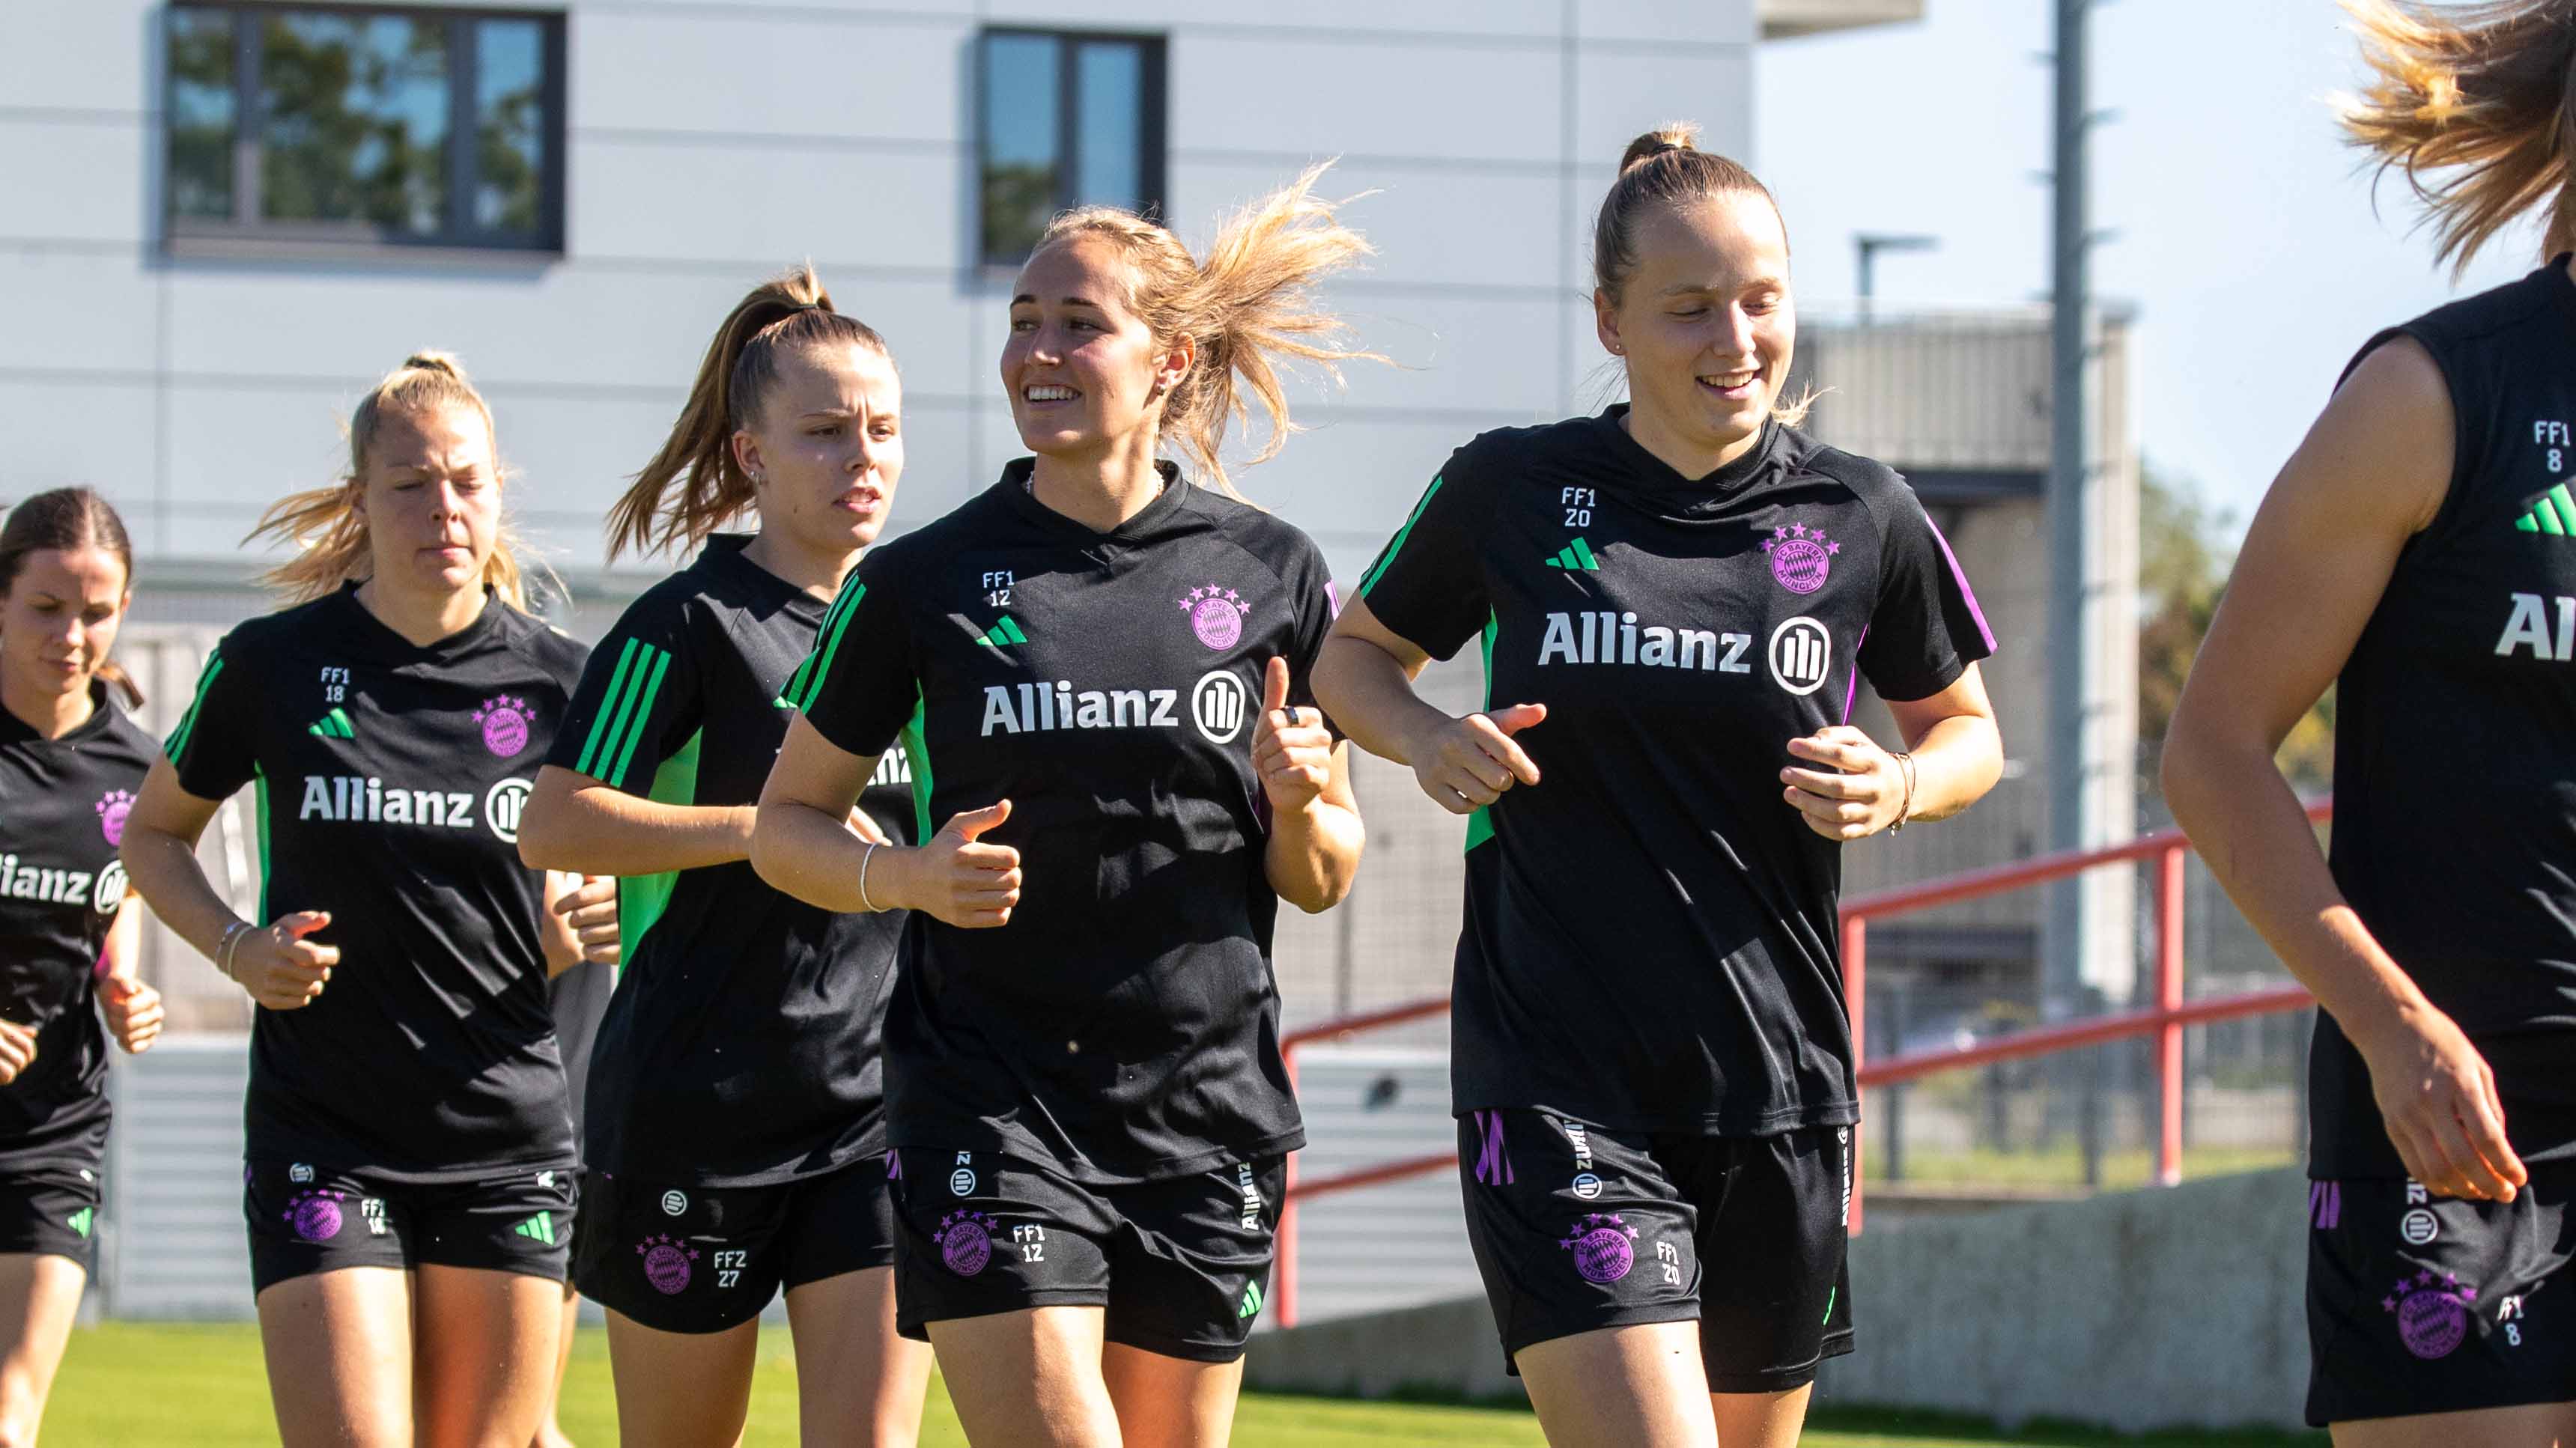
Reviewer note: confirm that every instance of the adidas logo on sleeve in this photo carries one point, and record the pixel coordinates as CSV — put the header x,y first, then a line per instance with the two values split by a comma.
x,y
1576,555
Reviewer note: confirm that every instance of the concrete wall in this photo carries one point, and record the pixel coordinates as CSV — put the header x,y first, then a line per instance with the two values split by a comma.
x,y
2151,1309
2159,1308
1446,1347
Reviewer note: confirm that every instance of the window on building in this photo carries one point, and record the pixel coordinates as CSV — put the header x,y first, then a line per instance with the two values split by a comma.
x,y
365,125
1069,119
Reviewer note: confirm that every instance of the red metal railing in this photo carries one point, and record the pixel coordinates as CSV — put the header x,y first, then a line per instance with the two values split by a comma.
x,y
2166,1020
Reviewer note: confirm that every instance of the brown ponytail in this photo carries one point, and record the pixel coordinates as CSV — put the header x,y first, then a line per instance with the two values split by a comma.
x,y
1249,303
2486,92
791,312
70,519
1663,168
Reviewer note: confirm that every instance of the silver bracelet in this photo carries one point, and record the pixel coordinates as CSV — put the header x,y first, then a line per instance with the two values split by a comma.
x,y
224,949
1904,812
863,878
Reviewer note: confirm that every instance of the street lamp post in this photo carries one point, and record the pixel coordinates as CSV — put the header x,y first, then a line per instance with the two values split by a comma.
x,y
1870,244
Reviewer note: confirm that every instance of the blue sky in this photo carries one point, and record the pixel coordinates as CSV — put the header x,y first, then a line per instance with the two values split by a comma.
x,y
2248,241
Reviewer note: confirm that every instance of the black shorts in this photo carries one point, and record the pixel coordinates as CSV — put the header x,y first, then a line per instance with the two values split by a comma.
x,y
702,1259
2425,1305
1181,1264
1576,1228
50,1208
306,1218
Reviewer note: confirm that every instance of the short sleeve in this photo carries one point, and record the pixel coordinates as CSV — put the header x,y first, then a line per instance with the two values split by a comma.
x,y
638,699
1927,627
1428,587
1315,604
859,687
215,747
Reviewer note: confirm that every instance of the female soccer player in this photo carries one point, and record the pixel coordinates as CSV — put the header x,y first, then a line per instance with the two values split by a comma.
x,y
2419,550
70,764
409,1176
737,1130
1652,1059
1091,665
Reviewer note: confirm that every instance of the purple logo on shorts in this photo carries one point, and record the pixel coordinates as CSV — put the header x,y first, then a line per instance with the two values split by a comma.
x,y
2432,1317
1601,1247
1216,615
112,811
1801,557
666,1263
315,1216
505,725
965,1242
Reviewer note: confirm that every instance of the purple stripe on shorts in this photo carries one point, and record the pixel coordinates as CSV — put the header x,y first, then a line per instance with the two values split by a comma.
x,y
1493,1166
2325,1205
894,1167
1960,577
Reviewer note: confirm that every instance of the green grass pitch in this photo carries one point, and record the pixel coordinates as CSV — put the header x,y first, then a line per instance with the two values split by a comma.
x,y
160,1383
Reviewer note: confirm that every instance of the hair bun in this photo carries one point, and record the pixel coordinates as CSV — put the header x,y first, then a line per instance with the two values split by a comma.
x,y
1671,136
429,361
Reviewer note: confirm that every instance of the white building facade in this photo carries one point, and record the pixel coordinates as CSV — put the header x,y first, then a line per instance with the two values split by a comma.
x,y
222,221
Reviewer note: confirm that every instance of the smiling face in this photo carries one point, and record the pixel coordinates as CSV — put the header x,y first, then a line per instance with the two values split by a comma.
x,y
827,449
1084,372
59,619
431,498
1705,321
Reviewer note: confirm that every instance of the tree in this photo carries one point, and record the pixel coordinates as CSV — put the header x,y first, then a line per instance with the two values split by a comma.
x,y
2185,549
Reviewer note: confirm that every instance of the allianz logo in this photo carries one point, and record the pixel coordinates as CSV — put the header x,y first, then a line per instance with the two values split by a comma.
x,y
1800,653
1219,704
366,799
103,891
1605,637
2528,628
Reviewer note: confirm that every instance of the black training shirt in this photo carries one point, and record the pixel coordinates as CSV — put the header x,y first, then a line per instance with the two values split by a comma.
x,y
389,779
2455,807
1650,938
741,1046
62,816
1124,1026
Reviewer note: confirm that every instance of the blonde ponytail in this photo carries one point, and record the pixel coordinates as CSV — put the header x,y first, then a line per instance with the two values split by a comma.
x,y
1250,303
324,526
2484,92
697,460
